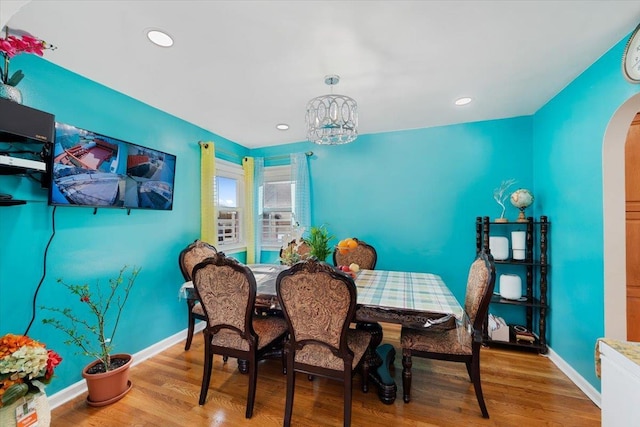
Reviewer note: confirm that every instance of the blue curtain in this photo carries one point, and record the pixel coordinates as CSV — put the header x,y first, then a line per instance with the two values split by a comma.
x,y
258,184
302,204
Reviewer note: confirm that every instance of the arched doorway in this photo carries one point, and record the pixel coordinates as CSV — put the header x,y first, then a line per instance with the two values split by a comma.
x,y
613,200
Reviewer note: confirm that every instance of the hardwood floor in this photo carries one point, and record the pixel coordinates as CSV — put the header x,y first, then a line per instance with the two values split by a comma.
x,y
520,389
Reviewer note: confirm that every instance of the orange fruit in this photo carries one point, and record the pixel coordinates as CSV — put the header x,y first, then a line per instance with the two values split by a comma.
x,y
352,243
343,246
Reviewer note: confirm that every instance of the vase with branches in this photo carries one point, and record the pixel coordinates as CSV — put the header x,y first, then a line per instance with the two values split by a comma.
x,y
500,196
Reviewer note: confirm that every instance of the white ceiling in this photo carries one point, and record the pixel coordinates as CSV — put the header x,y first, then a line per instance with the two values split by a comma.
x,y
238,68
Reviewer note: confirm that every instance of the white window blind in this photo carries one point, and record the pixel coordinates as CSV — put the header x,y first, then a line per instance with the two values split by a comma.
x,y
277,202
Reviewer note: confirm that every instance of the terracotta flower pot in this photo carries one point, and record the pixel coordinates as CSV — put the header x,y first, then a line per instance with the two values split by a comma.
x,y
108,387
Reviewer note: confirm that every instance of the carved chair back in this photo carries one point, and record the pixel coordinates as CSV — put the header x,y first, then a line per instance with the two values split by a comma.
x,y
480,285
319,304
364,255
227,291
193,254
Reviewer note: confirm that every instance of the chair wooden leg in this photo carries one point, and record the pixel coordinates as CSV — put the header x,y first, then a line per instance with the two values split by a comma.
x,y
477,385
406,375
251,397
291,383
347,396
284,362
208,364
469,370
364,369
191,324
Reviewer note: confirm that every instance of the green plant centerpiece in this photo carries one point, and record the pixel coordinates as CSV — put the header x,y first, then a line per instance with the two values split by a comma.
x,y
318,241
105,305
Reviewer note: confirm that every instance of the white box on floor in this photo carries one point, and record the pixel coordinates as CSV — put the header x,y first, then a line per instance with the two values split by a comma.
x,y
498,328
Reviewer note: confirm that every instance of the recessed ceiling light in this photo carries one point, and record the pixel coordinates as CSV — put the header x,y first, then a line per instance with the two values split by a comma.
x,y
160,38
282,126
463,101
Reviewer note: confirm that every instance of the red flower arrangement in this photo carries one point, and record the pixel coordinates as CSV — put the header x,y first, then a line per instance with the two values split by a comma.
x,y
25,367
13,44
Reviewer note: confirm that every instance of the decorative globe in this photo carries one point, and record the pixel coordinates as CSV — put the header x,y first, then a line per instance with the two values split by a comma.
x,y
521,198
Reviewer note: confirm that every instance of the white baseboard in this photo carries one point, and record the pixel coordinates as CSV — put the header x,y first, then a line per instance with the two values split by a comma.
x,y
76,389
574,376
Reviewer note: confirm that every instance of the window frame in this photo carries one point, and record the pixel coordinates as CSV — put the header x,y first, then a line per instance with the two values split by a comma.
x,y
226,169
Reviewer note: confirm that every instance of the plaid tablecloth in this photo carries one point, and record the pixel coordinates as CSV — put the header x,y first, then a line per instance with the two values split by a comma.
x,y
386,296
411,292
391,296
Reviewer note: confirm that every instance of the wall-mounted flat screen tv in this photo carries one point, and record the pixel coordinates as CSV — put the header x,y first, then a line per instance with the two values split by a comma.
x,y
94,170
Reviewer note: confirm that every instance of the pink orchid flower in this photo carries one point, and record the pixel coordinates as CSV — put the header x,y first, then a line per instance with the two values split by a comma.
x,y
14,45
7,48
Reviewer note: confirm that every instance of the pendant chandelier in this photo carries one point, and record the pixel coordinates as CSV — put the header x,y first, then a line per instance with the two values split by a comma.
x,y
332,119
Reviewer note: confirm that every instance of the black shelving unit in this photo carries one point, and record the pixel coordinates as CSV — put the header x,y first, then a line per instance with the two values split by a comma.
x,y
12,202
535,268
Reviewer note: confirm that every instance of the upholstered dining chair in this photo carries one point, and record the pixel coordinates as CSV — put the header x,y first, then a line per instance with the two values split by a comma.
x,y
227,291
364,255
319,304
189,257
461,343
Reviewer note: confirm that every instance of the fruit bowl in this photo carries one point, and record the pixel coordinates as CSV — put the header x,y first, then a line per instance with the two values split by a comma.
x,y
343,250
346,245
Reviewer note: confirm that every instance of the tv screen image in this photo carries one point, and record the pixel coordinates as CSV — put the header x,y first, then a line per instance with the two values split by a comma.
x,y
95,170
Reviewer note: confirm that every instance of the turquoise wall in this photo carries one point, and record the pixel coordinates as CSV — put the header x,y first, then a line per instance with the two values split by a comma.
x,y
413,194
87,247
568,141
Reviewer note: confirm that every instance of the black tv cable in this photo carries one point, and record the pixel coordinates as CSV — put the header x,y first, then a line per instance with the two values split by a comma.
x,y
44,269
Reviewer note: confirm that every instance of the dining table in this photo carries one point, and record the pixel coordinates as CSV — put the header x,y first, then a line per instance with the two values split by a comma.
x,y
413,299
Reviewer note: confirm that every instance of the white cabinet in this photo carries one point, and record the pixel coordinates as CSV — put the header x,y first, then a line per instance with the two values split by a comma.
x,y
620,393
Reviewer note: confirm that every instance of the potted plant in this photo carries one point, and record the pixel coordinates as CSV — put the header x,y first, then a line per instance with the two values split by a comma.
x,y
107,376
26,366
318,241
13,43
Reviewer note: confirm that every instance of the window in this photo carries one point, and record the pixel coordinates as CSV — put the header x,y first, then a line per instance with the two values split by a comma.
x,y
229,200
277,202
